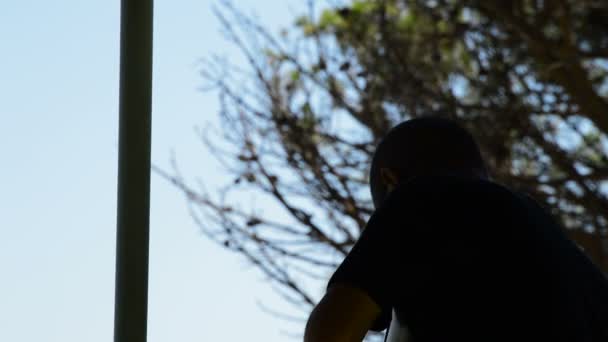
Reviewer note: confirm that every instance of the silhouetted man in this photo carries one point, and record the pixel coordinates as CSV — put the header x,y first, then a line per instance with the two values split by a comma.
x,y
457,256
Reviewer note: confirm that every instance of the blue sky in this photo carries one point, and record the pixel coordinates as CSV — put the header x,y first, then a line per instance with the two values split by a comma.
x,y
58,146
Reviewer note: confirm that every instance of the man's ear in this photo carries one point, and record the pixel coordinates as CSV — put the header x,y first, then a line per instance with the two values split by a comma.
x,y
388,177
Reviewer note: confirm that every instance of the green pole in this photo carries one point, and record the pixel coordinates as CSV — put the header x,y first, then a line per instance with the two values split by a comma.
x,y
132,238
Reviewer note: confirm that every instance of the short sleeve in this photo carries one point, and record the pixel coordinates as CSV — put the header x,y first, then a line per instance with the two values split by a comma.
x,y
370,265
402,246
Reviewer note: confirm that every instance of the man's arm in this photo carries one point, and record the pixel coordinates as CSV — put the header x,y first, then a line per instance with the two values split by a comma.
x,y
345,314
361,291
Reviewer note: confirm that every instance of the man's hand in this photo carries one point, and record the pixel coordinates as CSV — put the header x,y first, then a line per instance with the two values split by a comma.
x,y
345,314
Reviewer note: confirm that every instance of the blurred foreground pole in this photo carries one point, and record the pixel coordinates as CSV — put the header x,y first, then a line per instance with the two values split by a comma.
x,y
131,292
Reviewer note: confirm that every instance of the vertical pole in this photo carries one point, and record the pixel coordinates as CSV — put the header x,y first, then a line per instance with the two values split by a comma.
x,y
132,238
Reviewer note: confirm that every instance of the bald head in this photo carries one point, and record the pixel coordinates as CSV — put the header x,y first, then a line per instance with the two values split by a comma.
x,y
422,146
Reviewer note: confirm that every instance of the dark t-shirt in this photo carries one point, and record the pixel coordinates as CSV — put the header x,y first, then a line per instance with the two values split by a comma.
x,y
469,260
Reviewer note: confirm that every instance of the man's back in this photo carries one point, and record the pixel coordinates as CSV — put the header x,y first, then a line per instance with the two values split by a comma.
x,y
464,259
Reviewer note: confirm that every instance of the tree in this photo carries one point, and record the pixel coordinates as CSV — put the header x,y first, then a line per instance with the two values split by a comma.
x,y
528,78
